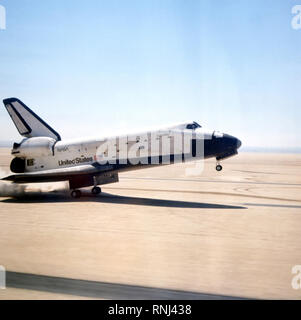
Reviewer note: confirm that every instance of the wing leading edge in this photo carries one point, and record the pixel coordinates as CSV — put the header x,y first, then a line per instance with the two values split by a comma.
x,y
61,174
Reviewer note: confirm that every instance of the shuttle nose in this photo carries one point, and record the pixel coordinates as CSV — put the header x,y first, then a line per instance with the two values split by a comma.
x,y
226,146
232,142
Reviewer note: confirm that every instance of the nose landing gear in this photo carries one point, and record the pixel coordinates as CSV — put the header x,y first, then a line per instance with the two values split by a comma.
x,y
218,167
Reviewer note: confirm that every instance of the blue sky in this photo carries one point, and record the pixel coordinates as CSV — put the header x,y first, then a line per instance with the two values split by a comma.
x,y
94,67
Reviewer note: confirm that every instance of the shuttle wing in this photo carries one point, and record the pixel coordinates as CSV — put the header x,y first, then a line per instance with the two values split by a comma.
x,y
61,174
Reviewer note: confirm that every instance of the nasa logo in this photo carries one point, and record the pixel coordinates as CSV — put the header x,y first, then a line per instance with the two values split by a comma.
x,y
62,149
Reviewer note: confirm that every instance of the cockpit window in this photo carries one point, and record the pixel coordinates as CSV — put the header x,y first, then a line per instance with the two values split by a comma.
x,y
193,126
217,134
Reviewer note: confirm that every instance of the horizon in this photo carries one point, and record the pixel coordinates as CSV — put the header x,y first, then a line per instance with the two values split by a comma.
x,y
8,144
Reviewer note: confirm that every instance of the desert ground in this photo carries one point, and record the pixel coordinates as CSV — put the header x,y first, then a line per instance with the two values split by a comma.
x,y
164,232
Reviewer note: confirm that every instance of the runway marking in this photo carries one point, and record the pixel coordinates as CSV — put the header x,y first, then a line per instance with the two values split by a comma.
x,y
257,172
214,181
272,205
207,192
104,290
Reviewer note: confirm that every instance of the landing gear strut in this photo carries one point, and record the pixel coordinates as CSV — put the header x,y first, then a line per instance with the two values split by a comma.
x,y
218,167
96,190
76,194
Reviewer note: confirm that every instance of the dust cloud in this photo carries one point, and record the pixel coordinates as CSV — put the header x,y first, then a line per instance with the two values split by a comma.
x,y
8,189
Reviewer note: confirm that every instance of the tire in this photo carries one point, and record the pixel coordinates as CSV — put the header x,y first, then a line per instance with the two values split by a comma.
x,y
76,194
219,167
96,190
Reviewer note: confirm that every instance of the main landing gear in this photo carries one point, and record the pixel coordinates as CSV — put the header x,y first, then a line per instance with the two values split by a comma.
x,y
218,167
96,190
77,193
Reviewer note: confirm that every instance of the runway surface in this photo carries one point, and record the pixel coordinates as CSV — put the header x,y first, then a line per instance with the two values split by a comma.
x,y
159,232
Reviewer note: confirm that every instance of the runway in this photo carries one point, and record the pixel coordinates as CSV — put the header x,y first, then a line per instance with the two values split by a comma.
x,y
158,233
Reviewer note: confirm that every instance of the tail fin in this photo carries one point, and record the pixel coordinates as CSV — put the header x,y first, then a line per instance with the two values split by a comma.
x,y
27,122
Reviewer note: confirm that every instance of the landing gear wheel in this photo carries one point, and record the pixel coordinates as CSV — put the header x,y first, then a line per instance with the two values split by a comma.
x,y
96,190
218,167
76,194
